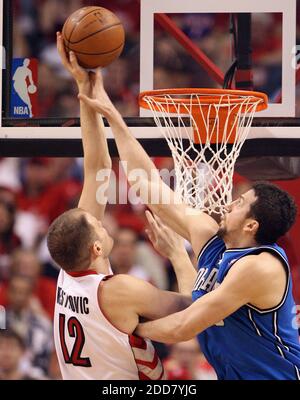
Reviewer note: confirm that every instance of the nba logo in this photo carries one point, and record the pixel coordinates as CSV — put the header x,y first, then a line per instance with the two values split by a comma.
x,y
24,99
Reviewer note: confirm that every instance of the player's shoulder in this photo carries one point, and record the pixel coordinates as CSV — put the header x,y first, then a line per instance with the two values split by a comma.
x,y
120,287
119,280
263,265
265,258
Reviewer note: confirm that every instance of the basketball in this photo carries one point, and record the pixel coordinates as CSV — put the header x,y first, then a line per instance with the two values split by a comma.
x,y
95,35
32,89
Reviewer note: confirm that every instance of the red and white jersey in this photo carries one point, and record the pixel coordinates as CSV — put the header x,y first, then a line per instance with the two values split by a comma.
x,y
88,346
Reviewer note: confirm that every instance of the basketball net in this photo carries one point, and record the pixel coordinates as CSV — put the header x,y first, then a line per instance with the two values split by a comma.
x,y
205,131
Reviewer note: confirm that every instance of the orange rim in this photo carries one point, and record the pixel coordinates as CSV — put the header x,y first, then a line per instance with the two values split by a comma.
x,y
209,97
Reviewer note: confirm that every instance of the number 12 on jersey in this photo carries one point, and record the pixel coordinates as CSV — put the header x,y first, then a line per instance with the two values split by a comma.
x,y
75,330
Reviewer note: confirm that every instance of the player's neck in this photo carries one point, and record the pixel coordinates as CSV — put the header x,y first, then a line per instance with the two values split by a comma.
x,y
239,243
101,266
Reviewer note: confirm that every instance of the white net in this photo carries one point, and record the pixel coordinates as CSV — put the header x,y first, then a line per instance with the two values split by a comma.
x,y
204,171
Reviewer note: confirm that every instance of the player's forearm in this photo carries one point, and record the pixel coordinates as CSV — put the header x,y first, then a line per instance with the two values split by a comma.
x,y
164,330
184,270
96,153
93,136
153,191
129,148
96,158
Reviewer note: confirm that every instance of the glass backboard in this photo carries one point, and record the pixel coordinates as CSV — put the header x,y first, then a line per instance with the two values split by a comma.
x,y
154,57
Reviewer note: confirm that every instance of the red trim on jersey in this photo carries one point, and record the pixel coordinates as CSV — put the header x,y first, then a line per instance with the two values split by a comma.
x,y
144,377
82,273
151,364
136,341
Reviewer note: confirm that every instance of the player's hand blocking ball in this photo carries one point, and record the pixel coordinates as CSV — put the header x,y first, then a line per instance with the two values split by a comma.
x,y
95,35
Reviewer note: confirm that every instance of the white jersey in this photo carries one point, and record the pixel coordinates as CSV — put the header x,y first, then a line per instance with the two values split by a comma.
x,y
88,346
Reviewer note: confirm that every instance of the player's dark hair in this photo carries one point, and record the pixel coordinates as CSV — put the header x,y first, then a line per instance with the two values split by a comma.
x,y
275,211
70,239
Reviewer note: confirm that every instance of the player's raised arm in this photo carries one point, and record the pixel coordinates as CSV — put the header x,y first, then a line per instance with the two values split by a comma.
x,y
171,245
96,153
195,228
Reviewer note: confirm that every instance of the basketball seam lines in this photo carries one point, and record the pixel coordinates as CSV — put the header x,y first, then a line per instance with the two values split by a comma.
x,y
95,54
75,26
94,33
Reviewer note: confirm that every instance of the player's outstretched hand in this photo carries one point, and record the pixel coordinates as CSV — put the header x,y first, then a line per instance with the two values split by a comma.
x,y
80,75
164,240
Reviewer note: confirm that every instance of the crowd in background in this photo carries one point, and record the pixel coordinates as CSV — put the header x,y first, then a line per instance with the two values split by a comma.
x,y
33,192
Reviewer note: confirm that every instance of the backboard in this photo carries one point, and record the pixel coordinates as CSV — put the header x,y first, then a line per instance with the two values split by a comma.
x,y
169,44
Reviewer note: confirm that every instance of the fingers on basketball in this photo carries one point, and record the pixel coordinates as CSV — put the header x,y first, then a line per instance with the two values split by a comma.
x,y
62,50
74,61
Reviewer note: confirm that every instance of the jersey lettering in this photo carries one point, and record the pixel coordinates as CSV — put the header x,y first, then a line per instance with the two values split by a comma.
x,y
76,304
204,282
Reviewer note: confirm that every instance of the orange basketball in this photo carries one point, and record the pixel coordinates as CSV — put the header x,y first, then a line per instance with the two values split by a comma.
x,y
96,35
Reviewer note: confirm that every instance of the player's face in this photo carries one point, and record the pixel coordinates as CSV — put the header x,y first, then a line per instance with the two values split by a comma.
x,y
106,241
237,215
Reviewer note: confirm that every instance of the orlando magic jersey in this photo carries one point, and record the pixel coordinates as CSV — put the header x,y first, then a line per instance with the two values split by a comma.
x,y
250,343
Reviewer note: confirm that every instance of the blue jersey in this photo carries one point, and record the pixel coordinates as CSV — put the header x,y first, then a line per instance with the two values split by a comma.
x,y
250,343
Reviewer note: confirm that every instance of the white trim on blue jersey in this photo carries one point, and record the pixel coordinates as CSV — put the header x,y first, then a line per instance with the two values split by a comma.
x,y
276,332
253,322
297,373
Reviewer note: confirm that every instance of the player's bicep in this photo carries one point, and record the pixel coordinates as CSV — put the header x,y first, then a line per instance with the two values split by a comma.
x,y
208,311
145,300
235,291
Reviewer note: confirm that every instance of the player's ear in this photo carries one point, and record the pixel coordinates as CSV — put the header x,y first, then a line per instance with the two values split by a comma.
x,y
97,248
251,226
